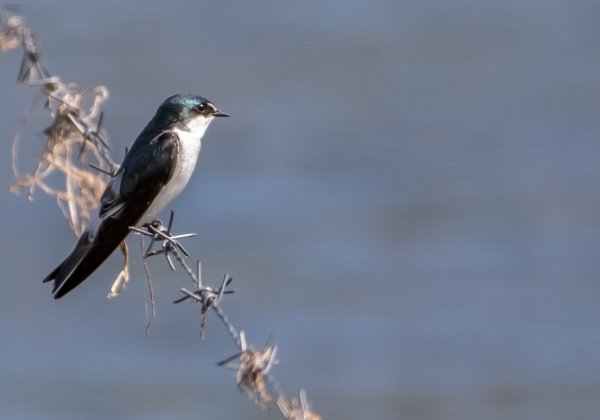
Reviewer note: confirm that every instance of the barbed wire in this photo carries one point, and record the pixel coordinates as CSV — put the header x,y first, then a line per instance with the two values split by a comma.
x,y
77,149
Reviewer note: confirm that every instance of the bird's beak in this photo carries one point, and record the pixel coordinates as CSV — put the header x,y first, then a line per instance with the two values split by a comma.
x,y
219,113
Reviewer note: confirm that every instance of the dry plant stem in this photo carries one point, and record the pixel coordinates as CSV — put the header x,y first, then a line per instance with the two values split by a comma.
x,y
297,408
74,137
123,278
150,290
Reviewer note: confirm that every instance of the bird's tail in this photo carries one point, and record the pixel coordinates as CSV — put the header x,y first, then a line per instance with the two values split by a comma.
x,y
94,247
53,274
52,277
69,274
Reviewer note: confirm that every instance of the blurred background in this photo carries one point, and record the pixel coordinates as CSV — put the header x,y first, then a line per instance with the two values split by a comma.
x,y
406,196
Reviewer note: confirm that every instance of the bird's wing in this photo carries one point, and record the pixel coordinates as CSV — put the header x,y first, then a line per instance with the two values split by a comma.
x,y
145,170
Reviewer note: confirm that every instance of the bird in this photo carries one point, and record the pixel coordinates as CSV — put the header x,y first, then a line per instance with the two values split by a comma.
x,y
154,171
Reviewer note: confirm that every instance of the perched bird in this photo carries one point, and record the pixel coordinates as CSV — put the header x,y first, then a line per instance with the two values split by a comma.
x,y
155,170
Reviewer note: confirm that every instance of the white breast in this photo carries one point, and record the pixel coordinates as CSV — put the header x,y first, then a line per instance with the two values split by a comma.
x,y
189,149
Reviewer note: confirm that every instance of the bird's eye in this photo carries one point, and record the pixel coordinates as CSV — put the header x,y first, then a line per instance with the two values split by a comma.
x,y
201,108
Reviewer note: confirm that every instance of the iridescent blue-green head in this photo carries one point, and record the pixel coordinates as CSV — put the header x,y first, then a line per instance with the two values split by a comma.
x,y
186,111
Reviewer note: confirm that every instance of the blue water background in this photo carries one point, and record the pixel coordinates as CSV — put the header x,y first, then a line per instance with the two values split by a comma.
x,y
406,195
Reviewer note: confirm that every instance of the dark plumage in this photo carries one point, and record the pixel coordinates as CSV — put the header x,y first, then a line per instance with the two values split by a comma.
x,y
148,169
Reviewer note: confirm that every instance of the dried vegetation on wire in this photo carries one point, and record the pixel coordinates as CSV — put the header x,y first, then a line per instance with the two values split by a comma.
x,y
74,168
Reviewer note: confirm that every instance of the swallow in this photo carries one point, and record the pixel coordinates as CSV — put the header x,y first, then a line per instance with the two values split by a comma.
x,y
155,171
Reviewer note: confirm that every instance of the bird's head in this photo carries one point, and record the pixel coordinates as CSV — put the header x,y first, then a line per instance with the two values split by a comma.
x,y
189,112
